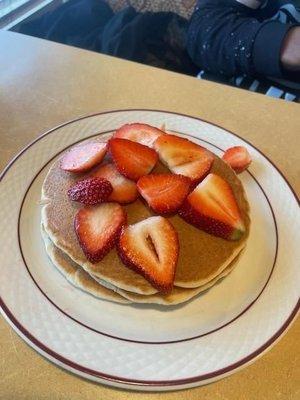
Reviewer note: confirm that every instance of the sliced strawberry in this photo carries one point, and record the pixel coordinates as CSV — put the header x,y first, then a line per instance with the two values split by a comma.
x,y
141,133
238,158
83,157
164,193
90,191
212,207
98,229
195,170
184,157
132,159
124,190
151,248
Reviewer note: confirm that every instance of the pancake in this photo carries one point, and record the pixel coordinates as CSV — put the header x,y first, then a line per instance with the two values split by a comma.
x,y
76,275
202,256
101,289
178,295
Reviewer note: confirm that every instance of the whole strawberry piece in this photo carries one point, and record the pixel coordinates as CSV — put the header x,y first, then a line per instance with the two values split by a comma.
x,y
90,191
140,133
238,158
98,229
184,157
150,247
164,193
213,208
132,159
83,157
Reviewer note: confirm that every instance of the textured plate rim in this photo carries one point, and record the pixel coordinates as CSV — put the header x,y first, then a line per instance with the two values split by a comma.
x,y
126,382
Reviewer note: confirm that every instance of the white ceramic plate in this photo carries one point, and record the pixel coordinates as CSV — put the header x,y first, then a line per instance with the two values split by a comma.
x,y
144,347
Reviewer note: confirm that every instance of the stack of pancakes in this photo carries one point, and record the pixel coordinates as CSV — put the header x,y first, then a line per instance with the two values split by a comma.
x,y
203,258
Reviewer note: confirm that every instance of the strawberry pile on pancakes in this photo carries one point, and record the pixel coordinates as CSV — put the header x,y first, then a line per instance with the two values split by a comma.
x,y
146,216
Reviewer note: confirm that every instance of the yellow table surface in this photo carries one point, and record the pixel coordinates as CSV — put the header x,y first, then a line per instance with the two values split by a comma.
x,y
43,84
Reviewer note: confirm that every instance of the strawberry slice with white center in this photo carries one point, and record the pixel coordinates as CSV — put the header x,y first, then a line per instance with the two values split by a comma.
x,y
83,157
140,133
184,157
150,248
124,190
98,228
238,158
164,193
132,159
212,207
